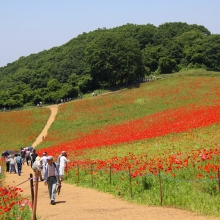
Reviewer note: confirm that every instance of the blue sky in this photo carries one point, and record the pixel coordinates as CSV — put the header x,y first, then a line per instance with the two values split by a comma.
x,y
30,26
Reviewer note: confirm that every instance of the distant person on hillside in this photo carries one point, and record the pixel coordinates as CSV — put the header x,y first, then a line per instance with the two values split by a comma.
x,y
51,178
63,164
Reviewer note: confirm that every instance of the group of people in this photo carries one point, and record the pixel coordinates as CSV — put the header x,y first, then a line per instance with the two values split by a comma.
x,y
50,172
14,163
45,169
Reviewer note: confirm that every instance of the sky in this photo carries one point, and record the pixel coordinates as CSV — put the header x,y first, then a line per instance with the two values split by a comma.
x,y
30,26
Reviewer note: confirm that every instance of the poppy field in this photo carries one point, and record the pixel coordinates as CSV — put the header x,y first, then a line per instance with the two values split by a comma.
x,y
12,204
157,144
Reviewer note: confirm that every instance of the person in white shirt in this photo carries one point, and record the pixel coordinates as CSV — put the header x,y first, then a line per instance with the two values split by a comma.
x,y
63,163
43,162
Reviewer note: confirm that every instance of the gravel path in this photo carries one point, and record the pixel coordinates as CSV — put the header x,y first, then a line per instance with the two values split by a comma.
x,y
77,203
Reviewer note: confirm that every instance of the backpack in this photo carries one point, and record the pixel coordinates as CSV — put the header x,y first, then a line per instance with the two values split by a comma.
x,y
18,159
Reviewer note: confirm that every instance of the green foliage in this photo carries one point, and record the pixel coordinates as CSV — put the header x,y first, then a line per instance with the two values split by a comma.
x,y
107,57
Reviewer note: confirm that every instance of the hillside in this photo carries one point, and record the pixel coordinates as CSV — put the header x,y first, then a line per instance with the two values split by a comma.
x,y
156,144
162,137
107,58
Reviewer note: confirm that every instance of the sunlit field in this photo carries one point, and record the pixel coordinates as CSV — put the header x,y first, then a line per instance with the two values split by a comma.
x,y
21,128
155,144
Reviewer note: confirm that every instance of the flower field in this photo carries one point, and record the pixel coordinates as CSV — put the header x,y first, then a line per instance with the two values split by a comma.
x,y
20,128
157,144
12,204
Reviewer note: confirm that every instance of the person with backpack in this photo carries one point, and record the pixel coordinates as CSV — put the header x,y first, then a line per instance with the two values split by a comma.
x,y
19,162
37,167
33,157
51,178
43,161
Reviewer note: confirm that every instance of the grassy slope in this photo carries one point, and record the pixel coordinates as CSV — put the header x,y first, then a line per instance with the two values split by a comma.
x,y
84,116
20,128
80,119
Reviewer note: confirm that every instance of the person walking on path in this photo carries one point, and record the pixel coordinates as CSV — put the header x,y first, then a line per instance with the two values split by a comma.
x,y
37,167
7,160
16,166
58,160
27,156
51,178
18,161
43,162
12,164
23,154
33,157
63,164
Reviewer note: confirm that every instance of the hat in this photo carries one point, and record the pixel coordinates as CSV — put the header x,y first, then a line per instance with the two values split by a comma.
x,y
37,158
49,158
44,154
63,152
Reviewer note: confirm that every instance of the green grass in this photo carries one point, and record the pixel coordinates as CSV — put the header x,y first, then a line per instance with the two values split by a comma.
x,y
21,128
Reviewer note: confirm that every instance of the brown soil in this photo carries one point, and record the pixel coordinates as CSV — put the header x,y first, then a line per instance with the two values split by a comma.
x,y
77,203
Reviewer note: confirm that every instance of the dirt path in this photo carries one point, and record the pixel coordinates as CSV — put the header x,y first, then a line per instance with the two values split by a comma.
x,y
54,110
77,203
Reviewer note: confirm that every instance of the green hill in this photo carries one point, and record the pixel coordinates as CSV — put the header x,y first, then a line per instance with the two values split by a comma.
x,y
107,58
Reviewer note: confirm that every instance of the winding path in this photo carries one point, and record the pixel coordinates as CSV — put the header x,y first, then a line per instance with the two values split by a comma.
x,y
77,203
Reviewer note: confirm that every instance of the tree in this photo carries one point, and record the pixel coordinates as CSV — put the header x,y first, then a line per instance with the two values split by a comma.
x,y
166,65
114,59
53,85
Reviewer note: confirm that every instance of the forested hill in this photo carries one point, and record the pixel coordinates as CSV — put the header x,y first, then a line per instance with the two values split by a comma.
x,y
107,57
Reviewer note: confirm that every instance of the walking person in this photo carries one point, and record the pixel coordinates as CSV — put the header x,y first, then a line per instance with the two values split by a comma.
x,y
19,162
12,164
51,178
37,167
7,161
33,156
23,154
27,156
16,166
63,164
43,161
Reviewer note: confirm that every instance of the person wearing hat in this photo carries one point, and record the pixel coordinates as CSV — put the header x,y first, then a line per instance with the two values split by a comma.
x,y
51,178
63,164
58,160
36,166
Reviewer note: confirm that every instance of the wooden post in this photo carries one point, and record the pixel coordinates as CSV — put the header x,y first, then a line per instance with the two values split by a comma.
x,y
92,174
161,196
129,169
35,197
110,170
218,180
78,171
32,189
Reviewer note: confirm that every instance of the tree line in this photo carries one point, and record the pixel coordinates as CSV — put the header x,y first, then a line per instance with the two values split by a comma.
x,y
106,58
